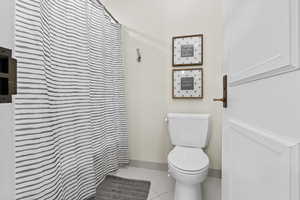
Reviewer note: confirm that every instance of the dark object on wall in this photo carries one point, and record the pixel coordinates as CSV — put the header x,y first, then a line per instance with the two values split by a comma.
x,y
139,56
8,75
187,50
187,83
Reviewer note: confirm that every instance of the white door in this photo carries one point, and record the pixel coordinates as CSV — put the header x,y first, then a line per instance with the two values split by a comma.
x,y
262,121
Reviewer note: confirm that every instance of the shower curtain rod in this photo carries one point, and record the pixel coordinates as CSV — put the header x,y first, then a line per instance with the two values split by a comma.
x,y
108,12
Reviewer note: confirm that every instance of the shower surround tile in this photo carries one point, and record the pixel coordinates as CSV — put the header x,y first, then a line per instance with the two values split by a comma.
x,y
162,186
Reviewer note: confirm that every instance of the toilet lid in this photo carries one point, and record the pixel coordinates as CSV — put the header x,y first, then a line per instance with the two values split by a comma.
x,y
188,159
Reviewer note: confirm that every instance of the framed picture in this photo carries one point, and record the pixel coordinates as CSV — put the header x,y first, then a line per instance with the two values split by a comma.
x,y
187,83
187,50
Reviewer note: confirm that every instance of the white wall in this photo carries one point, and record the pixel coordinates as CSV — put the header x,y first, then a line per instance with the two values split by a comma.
x,y
6,110
150,26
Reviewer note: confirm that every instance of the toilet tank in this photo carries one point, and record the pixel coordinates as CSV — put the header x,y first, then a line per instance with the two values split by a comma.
x,y
190,130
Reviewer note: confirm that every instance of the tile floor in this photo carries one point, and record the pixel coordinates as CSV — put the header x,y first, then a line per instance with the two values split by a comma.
x,y
162,186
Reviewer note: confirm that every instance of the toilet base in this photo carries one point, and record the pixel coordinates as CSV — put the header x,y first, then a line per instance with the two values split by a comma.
x,y
188,192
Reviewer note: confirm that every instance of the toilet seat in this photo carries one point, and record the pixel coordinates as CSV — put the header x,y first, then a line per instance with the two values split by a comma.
x,y
187,160
185,172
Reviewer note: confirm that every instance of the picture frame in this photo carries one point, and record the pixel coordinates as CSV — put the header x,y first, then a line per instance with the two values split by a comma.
x,y
187,83
187,50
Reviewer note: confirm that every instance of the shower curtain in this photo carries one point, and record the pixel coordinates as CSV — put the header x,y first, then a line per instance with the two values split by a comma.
x,y
70,116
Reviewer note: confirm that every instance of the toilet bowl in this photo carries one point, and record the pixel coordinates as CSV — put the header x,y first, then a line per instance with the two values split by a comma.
x,y
189,168
187,162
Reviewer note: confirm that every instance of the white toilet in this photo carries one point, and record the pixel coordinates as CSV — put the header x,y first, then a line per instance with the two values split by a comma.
x,y
188,163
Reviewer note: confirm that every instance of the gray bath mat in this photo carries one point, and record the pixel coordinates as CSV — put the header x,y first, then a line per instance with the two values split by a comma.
x,y
116,188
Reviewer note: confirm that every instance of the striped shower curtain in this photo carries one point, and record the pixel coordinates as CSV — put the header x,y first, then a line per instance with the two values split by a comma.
x,y
70,118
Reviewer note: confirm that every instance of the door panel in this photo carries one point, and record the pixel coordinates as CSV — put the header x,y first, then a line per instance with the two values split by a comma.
x,y
260,164
259,38
262,122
